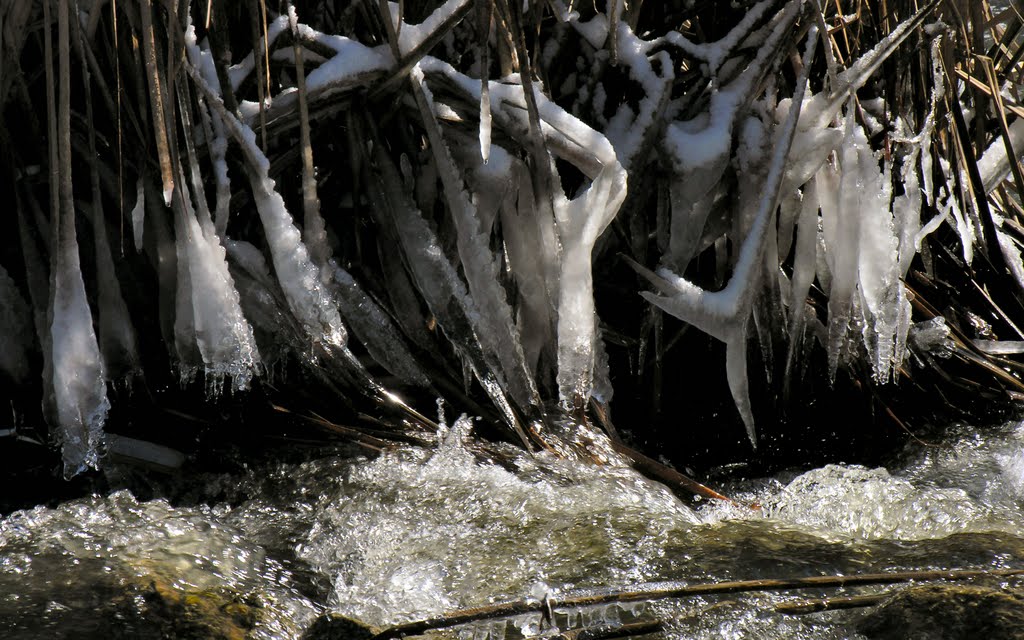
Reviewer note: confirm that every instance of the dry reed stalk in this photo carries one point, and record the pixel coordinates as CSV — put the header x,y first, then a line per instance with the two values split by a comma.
x,y
661,592
156,100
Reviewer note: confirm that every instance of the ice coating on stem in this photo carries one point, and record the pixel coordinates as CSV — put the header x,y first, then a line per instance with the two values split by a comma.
x,y
375,329
208,309
724,314
494,324
139,213
300,280
79,378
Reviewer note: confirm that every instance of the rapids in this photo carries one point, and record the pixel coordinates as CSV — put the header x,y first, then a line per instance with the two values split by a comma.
x,y
415,532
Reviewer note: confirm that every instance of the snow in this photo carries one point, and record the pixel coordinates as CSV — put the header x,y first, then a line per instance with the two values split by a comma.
x,y
412,36
352,59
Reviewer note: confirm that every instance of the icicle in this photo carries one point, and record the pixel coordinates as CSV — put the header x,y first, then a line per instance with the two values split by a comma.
x,y
803,274
139,213
494,325
208,304
878,260
78,377
906,211
532,247
724,314
79,387
485,123
580,222
839,199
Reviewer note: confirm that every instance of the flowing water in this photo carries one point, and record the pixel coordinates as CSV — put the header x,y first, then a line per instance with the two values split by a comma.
x,y
415,532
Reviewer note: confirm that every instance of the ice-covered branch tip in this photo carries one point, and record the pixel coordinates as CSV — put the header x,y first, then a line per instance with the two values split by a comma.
x,y
724,314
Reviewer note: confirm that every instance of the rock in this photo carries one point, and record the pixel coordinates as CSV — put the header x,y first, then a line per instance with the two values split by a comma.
x,y
333,626
948,612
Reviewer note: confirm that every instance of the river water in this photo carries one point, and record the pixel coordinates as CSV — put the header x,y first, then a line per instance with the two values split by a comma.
x,y
415,532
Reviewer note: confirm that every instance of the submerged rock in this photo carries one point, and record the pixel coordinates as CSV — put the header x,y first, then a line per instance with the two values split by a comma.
x,y
948,612
205,615
333,626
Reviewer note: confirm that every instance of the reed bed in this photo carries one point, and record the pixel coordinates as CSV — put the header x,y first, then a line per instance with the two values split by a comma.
x,y
547,213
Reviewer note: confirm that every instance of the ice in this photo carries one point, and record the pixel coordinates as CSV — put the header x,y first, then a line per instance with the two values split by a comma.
x,y
16,338
139,213
494,324
117,338
532,249
375,329
79,378
438,283
300,279
994,163
878,266
579,221
629,132
485,123
724,314
803,273
209,314
202,60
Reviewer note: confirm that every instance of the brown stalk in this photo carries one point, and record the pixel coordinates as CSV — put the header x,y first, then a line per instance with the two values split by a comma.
x,y
51,119
1004,128
156,99
830,604
983,87
67,194
312,221
675,590
257,54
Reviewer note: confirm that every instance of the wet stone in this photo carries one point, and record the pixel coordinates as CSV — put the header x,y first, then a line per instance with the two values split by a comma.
x,y
949,612
333,626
